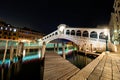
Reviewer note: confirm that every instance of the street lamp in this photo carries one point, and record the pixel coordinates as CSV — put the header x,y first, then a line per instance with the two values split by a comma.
x,y
106,37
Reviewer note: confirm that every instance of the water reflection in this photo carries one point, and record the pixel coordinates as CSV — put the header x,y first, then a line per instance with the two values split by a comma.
x,y
9,73
79,59
29,70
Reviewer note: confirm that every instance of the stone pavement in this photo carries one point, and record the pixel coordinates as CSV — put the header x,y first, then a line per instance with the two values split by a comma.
x,y
104,67
108,68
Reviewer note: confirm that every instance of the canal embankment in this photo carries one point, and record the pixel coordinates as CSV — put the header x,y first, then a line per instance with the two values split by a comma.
x,y
104,67
84,73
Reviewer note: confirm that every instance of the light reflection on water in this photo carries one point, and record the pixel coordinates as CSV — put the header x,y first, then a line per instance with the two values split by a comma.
x,y
79,59
8,73
31,68
28,68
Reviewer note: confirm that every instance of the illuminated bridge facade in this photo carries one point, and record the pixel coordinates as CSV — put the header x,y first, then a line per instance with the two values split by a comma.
x,y
85,38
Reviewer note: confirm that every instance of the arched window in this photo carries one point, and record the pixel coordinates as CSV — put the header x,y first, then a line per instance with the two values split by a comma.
x,y
73,32
93,34
102,36
50,36
53,34
85,34
78,33
67,32
56,33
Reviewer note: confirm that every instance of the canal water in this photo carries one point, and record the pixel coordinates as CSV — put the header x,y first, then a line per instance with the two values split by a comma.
x,y
28,70
80,60
33,69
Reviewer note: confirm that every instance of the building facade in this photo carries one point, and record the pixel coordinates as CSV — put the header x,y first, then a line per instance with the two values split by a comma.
x,y
115,23
9,32
28,34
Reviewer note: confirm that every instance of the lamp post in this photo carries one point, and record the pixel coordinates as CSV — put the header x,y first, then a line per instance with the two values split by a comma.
x,y
106,38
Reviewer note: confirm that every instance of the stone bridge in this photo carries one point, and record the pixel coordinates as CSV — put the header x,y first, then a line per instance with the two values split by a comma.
x,y
85,38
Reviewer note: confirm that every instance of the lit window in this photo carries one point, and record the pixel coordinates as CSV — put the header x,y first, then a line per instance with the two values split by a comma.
x,y
6,28
1,28
115,31
14,30
10,29
8,25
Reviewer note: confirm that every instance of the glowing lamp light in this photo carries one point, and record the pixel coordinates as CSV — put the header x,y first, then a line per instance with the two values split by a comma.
x,y
6,28
10,29
8,25
1,28
61,27
14,30
105,32
115,31
23,40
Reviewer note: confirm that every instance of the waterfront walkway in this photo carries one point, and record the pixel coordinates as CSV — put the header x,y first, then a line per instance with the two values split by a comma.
x,y
107,69
57,68
104,67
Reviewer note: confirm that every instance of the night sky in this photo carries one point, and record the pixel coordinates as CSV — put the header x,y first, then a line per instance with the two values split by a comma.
x,y
45,15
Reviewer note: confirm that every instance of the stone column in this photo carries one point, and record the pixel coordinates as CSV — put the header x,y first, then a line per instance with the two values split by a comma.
x,y
63,50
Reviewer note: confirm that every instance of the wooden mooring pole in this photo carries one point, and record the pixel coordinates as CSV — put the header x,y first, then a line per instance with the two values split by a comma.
x,y
5,52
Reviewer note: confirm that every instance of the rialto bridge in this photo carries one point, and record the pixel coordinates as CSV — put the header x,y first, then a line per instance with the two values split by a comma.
x,y
91,39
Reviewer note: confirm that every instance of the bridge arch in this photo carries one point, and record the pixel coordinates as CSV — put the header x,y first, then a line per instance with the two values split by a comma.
x,y
72,32
101,35
53,34
93,34
78,33
71,40
67,32
56,33
85,34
